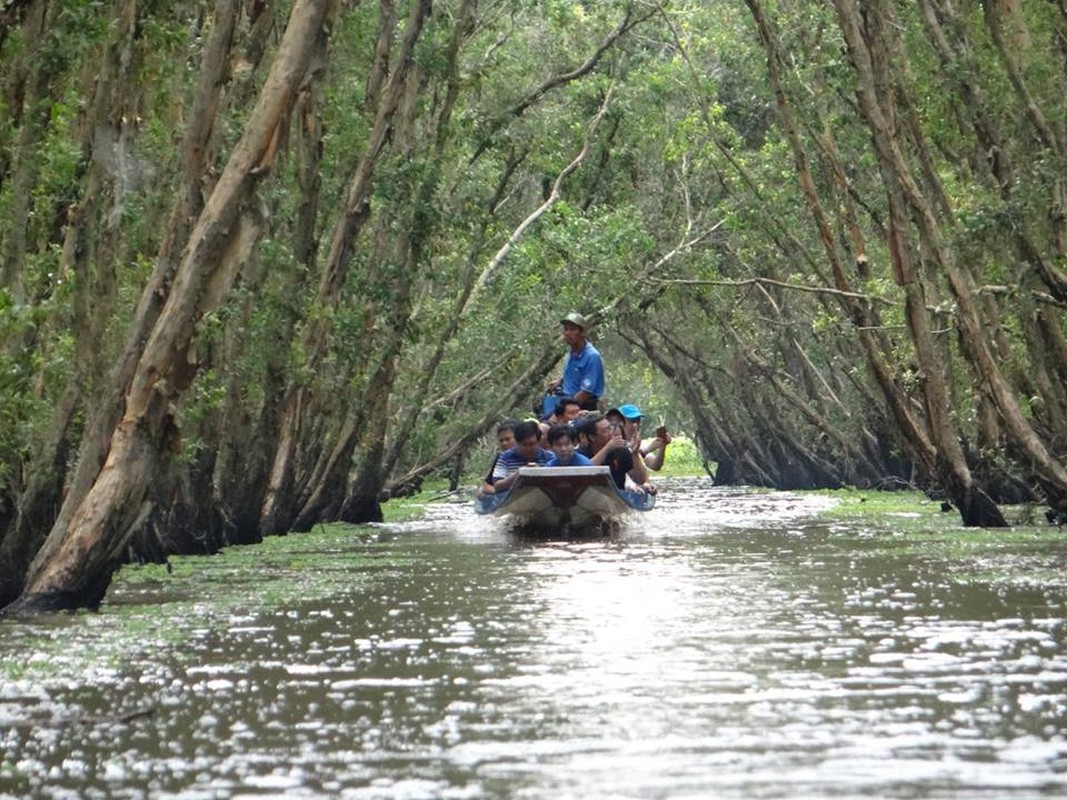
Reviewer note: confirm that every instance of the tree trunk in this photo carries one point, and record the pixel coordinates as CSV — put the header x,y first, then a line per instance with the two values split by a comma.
x,y
868,43
75,565
913,433
281,503
88,260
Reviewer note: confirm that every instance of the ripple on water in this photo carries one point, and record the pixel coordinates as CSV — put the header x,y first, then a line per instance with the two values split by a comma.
x,y
728,644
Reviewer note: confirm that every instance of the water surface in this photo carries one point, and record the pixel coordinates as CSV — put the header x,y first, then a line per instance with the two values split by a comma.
x,y
728,644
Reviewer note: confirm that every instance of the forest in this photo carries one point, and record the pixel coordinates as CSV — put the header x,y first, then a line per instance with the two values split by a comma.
x,y
265,264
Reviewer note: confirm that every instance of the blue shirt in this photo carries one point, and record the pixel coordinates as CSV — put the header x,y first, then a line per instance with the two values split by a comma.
x,y
584,372
509,461
577,460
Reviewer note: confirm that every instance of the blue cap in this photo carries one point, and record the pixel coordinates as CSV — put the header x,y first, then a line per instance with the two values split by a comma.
x,y
630,411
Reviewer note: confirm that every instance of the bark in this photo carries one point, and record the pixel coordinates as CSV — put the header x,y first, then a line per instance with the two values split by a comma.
x,y
107,409
75,565
914,433
867,39
419,230
281,503
1003,23
29,83
713,431
88,259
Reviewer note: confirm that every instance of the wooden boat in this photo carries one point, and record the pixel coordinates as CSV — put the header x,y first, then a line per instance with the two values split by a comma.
x,y
552,498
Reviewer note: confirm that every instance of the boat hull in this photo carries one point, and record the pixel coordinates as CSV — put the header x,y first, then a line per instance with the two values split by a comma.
x,y
564,498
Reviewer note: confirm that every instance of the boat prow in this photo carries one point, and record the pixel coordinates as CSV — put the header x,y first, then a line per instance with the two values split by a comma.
x,y
564,497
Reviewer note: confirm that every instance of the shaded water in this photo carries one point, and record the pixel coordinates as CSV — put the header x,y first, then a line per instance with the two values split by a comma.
x,y
729,644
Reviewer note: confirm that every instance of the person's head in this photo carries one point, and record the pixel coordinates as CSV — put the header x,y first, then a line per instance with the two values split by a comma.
x,y
629,418
505,434
574,326
595,429
527,439
561,441
567,409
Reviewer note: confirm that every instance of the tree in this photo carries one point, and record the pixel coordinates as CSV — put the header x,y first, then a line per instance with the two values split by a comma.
x,y
76,562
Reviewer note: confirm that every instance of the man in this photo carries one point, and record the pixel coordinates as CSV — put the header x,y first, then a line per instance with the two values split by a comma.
x,y
603,444
652,451
583,369
567,410
527,452
561,441
505,439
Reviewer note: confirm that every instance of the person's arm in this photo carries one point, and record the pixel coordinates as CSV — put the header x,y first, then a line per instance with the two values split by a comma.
x,y
500,471
505,482
486,486
638,474
614,443
634,442
655,450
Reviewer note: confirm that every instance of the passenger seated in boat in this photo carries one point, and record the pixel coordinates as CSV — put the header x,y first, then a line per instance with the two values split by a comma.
x,y
567,410
561,440
527,452
602,443
505,440
653,451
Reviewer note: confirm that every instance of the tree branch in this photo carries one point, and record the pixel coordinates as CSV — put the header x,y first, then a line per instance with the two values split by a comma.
x,y
780,284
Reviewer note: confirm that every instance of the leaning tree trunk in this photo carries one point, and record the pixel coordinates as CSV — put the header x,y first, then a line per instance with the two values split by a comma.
x,y
973,343
75,565
913,433
871,62
88,254
282,500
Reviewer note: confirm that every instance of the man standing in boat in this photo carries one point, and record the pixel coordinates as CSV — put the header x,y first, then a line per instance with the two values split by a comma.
x,y
583,369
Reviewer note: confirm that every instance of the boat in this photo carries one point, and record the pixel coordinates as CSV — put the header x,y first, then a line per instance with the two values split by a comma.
x,y
564,499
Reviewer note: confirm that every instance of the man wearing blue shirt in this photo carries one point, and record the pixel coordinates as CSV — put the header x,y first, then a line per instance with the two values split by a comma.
x,y
561,441
583,369
526,452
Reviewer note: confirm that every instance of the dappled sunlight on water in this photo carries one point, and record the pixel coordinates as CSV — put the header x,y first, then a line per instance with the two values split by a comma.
x,y
727,644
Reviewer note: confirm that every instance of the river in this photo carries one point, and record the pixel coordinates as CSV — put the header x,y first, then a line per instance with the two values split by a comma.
x,y
728,644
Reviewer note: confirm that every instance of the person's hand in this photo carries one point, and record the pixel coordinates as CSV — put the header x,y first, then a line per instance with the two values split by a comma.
x,y
650,488
635,440
554,384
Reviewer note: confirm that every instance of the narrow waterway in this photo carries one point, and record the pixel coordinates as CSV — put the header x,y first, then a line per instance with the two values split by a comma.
x,y
727,645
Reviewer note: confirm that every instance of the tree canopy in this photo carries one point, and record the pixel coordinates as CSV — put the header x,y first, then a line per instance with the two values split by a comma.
x,y
264,264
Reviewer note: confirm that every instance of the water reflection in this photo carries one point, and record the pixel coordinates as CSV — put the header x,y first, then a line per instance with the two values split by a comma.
x,y
727,645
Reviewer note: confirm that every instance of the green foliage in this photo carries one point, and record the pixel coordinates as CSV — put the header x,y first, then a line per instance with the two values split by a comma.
x,y
689,177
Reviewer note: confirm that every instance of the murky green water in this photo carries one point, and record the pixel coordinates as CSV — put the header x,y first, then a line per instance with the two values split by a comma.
x,y
730,645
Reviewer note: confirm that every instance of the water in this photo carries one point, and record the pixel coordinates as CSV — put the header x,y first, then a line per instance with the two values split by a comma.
x,y
730,645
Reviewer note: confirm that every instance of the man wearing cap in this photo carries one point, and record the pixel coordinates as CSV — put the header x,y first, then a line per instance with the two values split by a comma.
x,y
583,369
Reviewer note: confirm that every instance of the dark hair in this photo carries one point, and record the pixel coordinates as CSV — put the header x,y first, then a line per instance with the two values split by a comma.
x,y
525,429
585,425
563,431
564,401
506,425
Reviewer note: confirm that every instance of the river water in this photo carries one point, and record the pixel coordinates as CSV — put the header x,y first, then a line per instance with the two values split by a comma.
x,y
728,644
